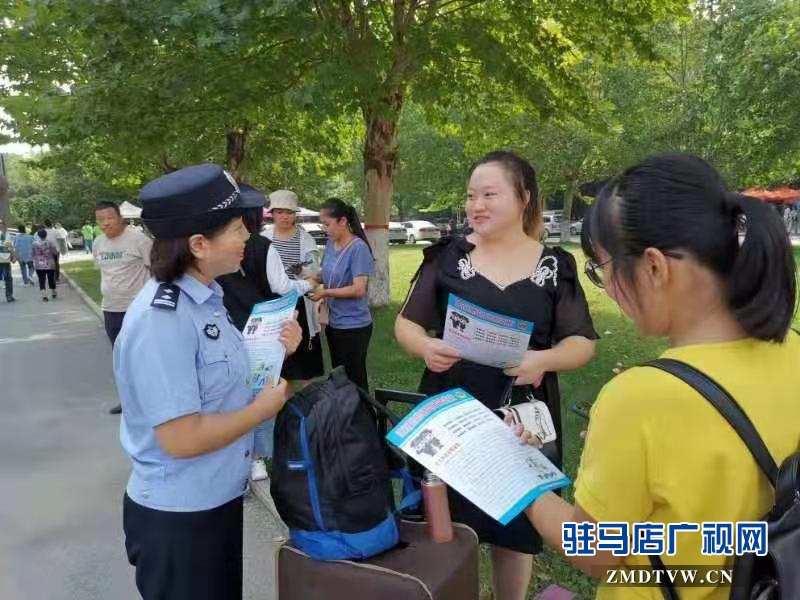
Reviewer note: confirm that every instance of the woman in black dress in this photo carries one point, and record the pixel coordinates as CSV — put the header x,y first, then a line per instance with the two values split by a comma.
x,y
500,265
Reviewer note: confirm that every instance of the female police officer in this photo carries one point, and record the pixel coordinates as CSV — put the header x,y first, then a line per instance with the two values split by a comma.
x,y
188,413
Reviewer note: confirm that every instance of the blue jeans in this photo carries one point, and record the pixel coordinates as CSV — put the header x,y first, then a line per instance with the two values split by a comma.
x,y
5,275
26,268
87,245
263,446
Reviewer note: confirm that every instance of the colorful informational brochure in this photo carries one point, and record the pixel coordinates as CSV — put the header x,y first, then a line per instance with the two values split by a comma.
x,y
471,449
262,339
485,337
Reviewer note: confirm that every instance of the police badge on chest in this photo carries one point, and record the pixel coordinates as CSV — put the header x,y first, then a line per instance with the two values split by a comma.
x,y
212,331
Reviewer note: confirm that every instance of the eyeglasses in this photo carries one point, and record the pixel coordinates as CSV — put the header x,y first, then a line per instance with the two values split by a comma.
x,y
594,271
597,275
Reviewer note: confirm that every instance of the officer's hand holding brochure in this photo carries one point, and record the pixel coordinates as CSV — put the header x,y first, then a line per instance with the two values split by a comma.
x,y
464,443
485,337
262,339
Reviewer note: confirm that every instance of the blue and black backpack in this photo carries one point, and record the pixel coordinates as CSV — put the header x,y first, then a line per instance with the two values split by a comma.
x,y
331,480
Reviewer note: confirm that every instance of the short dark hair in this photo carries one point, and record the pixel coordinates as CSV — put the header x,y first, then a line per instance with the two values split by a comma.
x,y
253,218
48,223
42,234
523,178
170,259
104,204
21,228
679,203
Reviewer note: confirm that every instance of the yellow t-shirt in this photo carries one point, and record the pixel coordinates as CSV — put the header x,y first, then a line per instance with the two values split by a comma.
x,y
658,451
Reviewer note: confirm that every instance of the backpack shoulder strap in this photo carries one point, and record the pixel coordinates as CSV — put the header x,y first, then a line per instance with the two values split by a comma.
x,y
720,399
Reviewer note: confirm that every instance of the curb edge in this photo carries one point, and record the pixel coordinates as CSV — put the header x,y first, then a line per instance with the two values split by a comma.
x,y
98,312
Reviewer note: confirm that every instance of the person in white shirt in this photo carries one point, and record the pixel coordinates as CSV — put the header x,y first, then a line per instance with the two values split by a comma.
x,y
300,257
62,237
123,256
52,237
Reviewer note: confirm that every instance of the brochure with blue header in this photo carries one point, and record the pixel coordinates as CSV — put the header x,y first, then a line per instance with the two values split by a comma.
x,y
471,449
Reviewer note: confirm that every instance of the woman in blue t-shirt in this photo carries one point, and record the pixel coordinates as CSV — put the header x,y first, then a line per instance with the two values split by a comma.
x,y
346,268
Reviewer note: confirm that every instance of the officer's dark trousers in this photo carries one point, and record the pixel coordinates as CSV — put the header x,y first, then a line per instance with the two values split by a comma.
x,y
188,555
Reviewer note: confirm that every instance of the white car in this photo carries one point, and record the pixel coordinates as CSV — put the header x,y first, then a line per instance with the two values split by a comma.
x,y
308,220
552,224
397,233
421,231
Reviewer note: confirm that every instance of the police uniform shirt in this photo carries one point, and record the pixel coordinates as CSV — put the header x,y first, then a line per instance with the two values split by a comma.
x,y
178,354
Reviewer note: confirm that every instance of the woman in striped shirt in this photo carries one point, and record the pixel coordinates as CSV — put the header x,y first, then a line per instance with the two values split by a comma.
x,y
300,257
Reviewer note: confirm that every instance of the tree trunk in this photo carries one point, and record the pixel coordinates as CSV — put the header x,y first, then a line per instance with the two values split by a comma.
x,y
235,150
380,163
5,207
566,222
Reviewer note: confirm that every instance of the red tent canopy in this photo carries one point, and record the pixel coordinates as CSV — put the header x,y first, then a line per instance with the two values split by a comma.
x,y
782,195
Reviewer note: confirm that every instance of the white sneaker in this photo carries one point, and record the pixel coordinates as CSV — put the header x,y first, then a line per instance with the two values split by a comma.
x,y
258,471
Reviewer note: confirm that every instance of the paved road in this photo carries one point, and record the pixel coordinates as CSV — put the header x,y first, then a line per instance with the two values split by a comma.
x,y
62,471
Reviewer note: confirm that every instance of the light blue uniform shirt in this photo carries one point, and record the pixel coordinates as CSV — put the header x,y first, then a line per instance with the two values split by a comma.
x,y
178,354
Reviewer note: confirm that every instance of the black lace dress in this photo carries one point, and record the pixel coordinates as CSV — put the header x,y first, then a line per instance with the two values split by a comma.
x,y
551,297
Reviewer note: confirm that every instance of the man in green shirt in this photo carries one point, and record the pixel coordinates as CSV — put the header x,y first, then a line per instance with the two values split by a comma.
x,y
87,231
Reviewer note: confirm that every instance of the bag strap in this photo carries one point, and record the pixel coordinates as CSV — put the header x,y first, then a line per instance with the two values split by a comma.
x,y
725,404
339,260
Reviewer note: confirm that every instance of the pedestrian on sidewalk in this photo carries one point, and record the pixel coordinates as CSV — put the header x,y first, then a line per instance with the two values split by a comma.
x,y
87,231
261,277
181,369
7,257
123,256
45,256
52,237
23,248
62,236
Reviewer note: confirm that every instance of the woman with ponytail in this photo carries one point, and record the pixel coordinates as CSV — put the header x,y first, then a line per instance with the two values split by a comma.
x,y
712,272
346,268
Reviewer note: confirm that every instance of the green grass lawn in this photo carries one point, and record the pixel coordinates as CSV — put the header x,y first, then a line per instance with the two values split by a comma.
x,y
85,275
390,367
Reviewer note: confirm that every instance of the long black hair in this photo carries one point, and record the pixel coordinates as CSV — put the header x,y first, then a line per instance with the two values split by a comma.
x,y
340,209
677,204
523,178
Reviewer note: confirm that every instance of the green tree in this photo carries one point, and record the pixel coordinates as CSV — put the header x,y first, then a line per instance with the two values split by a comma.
x,y
158,85
379,53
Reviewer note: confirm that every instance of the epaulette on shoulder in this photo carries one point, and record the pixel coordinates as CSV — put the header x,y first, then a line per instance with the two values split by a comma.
x,y
166,297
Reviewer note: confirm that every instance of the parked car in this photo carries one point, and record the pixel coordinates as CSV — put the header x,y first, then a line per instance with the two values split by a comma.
x,y
308,220
443,226
421,231
576,227
397,233
316,231
76,239
552,224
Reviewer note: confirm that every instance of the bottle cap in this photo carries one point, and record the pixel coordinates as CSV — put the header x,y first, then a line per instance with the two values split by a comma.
x,y
429,478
